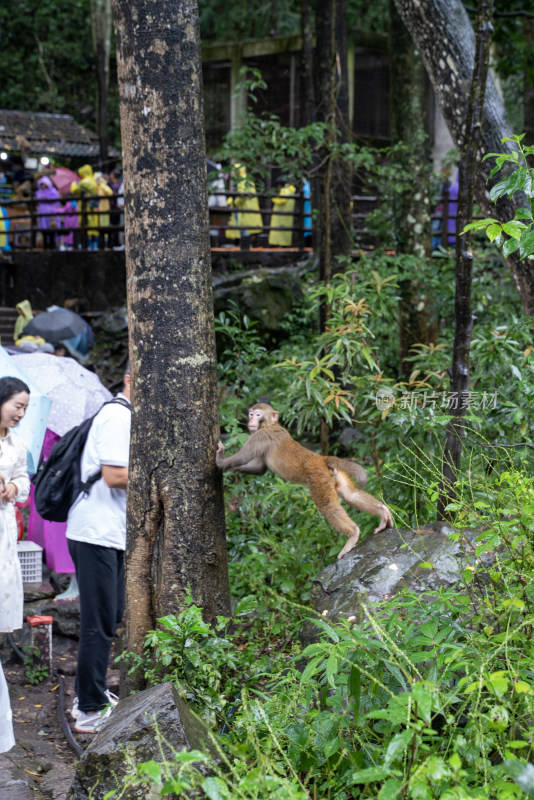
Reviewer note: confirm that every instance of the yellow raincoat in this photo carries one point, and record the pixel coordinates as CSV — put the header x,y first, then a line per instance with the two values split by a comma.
x,y
248,214
284,202
104,191
25,313
88,186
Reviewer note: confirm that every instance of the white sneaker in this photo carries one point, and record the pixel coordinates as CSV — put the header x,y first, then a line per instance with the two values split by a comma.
x,y
91,723
75,711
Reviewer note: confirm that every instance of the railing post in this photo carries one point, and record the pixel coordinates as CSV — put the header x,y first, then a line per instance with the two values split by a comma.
x,y
445,217
32,208
84,238
300,237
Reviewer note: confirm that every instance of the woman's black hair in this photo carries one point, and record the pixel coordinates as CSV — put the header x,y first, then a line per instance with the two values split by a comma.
x,y
10,386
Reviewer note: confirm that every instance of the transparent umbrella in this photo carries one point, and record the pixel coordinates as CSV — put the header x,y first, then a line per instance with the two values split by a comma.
x,y
75,392
32,427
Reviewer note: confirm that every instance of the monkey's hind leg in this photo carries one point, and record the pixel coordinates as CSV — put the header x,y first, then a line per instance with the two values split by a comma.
x,y
324,495
361,500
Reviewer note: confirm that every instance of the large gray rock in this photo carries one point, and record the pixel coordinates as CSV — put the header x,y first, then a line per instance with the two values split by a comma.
x,y
130,735
388,562
266,295
66,615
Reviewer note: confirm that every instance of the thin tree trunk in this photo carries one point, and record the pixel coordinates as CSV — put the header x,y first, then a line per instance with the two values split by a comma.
x,y
528,88
101,21
417,318
444,35
175,530
464,320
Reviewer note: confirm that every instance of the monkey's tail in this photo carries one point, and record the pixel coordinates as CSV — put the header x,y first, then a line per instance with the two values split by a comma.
x,y
350,468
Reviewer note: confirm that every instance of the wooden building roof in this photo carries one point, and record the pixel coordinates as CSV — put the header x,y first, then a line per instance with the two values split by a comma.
x,y
46,134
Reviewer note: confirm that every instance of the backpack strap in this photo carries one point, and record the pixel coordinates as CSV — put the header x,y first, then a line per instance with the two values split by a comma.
x,y
85,486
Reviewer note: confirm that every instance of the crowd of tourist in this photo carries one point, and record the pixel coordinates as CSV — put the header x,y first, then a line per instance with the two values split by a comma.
x,y
55,208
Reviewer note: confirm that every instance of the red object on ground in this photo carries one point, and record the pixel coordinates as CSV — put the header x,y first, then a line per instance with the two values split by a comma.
x,y
37,620
20,525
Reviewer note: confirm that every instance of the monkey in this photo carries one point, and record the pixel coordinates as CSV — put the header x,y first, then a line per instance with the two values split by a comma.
x,y
270,446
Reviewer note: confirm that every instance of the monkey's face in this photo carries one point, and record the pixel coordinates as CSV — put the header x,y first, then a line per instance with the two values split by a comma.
x,y
255,416
261,415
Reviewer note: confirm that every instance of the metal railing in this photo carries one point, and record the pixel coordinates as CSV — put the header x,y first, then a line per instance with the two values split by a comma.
x,y
29,228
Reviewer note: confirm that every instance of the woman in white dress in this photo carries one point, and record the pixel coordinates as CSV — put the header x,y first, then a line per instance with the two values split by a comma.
x,y
14,485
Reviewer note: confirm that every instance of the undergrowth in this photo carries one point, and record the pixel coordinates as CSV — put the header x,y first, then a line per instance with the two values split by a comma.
x,y
422,696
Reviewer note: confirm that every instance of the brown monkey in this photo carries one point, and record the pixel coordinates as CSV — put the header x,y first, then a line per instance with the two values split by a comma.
x,y
271,447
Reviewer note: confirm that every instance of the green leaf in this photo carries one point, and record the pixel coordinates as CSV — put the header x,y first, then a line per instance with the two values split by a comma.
x,y
514,228
216,789
510,246
526,244
493,231
390,789
369,775
355,689
397,746
522,774
191,756
423,697
479,224
152,769
331,669
246,605
499,682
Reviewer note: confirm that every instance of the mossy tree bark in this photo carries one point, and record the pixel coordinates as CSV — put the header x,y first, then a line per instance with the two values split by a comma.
x,y
445,38
408,91
176,534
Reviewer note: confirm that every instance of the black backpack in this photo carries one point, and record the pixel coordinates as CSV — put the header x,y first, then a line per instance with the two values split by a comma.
x,y
58,481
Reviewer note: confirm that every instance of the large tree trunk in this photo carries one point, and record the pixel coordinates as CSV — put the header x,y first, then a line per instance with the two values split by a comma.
x,y
176,534
417,317
444,35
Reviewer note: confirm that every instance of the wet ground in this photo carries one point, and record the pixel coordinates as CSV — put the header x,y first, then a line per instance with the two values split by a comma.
x,y
42,763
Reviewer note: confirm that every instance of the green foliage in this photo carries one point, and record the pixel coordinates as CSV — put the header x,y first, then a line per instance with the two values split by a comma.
x,y
423,697
34,670
517,235
50,67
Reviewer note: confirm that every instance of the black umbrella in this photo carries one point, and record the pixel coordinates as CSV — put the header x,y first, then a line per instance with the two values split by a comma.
x,y
54,326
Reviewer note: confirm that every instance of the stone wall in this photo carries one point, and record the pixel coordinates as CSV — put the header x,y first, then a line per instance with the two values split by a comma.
x,y
44,277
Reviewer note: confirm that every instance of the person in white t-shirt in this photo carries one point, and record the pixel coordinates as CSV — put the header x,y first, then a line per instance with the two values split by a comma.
x,y
96,534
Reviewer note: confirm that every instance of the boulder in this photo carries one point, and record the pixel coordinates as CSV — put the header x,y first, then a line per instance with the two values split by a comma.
x,y
388,562
266,295
130,736
66,616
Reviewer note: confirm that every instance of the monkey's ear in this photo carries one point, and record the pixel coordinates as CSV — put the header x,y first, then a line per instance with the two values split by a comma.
x,y
275,415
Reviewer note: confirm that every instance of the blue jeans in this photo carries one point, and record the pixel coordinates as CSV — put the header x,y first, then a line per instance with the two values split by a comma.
x,y
100,576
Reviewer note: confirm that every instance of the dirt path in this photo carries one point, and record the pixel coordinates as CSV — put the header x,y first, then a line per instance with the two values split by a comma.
x,y
42,763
